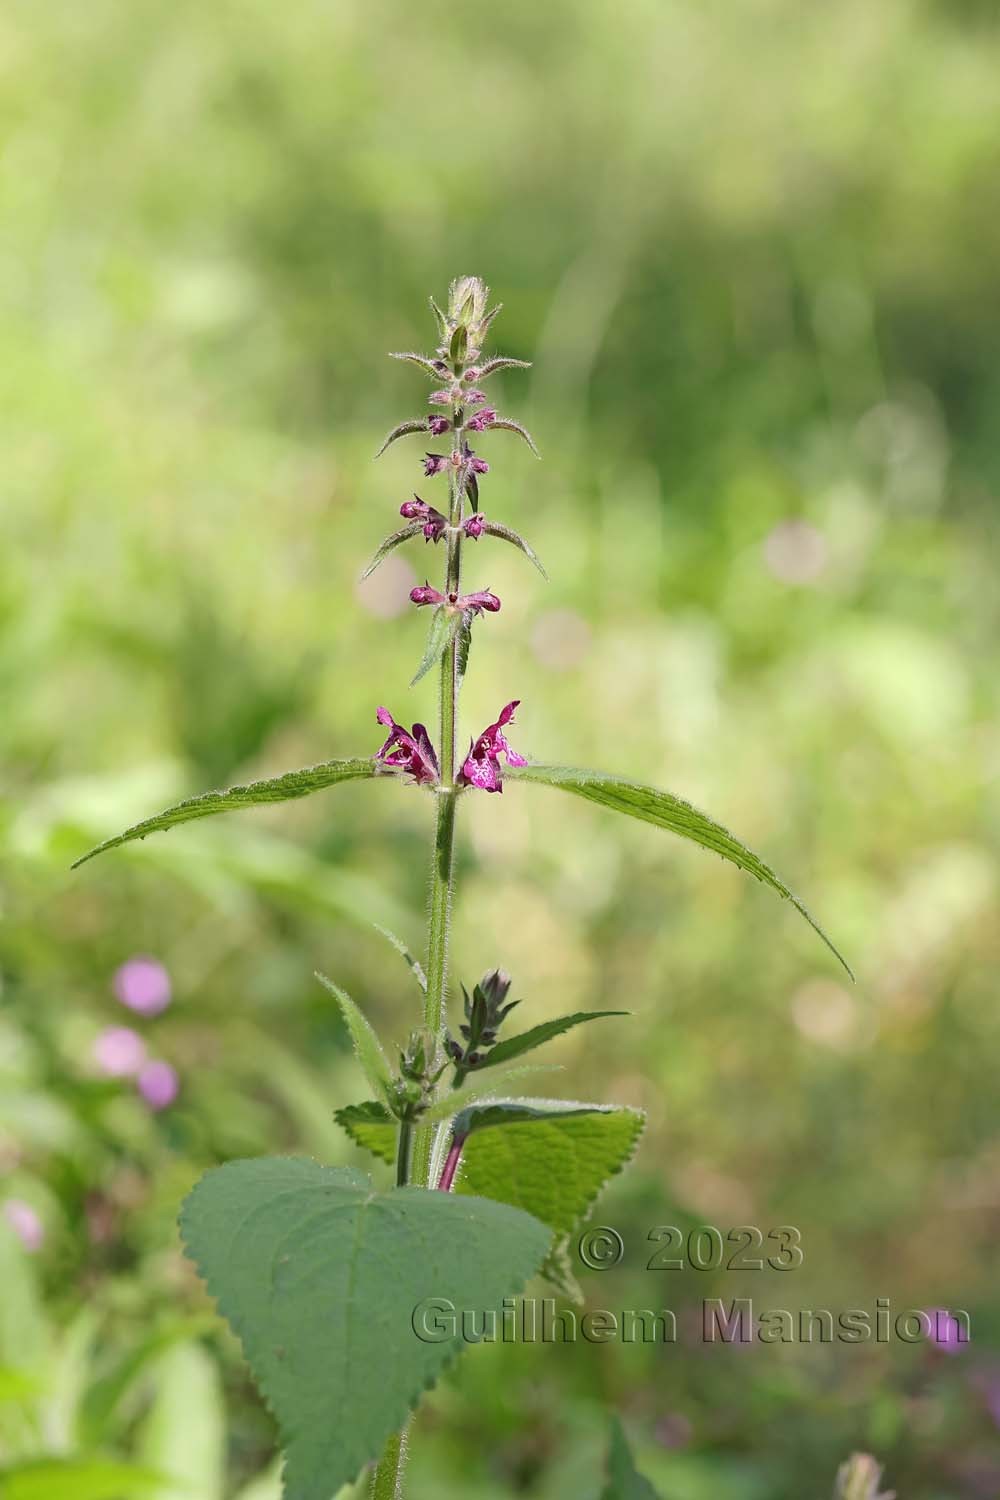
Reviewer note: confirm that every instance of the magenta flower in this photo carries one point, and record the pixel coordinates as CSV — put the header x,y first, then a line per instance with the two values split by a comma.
x,y
477,465
477,602
158,1084
475,526
482,599
434,463
947,1332
482,764
440,398
418,510
143,985
119,1052
438,425
482,419
412,753
424,594
25,1223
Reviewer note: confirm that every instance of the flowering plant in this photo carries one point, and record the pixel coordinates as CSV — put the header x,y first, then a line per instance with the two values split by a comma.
x,y
317,1270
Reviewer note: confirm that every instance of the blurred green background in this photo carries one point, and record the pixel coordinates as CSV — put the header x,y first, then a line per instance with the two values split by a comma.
x,y
751,249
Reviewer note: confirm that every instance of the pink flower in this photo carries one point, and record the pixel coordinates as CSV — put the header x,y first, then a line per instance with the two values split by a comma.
x,y
477,465
412,753
119,1052
434,463
479,601
25,1223
158,1084
947,1331
440,398
143,984
475,526
482,419
482,765
424,594
438,426
418,510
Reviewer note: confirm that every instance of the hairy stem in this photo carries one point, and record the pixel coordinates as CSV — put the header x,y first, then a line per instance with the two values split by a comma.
x,y
387,1479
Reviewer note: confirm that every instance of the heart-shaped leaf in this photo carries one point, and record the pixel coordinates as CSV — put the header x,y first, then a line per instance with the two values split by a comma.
x,y
664,810
277,789
321,1276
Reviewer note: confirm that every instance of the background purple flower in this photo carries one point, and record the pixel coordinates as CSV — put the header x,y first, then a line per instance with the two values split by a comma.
x,y
143,985
158,1084
119,1051
25,1223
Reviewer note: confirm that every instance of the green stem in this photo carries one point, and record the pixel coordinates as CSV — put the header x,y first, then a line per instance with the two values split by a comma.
x,y
387,1479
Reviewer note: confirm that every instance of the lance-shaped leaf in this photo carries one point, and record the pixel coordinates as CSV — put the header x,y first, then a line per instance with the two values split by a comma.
x,y
367,1047
445,625
442,321
624,1480
526,1041
255,794
502,362
337,1292
414,528
664,810
506,424
507,534
464,646
408,958
404,428
435,368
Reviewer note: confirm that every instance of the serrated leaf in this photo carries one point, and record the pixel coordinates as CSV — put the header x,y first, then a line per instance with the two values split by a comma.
x,y
444,628
624,1480
508,534
419,424
664,810
414,964
367,1047
554,1163
404,534
320,1276
370,1126
557,1270
507,424
255,794
526,1041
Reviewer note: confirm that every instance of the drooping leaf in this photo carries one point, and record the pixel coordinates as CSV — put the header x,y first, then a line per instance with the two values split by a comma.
x,y
506,424
664,810
371,1126
321,1277
552,1162
403,430
367,1047
502,362
624,1480
408,958
435,368
255,794
445,625
508,534
526,1041
404,534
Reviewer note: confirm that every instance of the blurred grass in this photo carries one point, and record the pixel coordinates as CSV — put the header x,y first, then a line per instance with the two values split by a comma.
x,y
751,251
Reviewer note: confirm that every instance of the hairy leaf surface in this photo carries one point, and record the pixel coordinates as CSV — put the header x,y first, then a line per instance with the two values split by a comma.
x,y
283,788
319,1276
664,810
